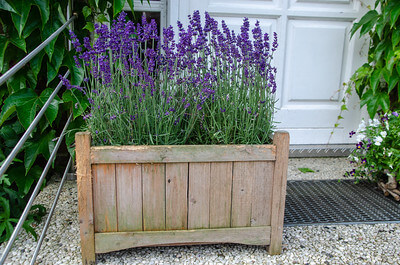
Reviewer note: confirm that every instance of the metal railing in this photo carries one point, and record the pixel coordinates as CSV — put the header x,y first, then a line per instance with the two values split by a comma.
x,y
23,139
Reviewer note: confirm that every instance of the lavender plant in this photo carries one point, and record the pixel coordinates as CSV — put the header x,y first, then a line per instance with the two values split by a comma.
x,y
209,87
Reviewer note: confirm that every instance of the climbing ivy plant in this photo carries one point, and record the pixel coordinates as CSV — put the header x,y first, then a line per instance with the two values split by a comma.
x,y
25,24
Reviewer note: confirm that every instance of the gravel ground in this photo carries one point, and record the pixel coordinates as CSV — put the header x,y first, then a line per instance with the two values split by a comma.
x,y
334,244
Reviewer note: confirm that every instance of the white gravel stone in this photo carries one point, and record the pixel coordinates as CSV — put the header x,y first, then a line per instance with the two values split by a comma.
x,y
333,244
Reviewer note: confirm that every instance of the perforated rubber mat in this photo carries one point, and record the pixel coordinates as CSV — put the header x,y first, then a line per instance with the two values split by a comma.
x,y
332,202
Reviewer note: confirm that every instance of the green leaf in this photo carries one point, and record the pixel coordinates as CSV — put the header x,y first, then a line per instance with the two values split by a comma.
x,y
27,111
86,11
16,82
54,66
51,26
118,6
78,100
3,46
394,79
77,73
29,229
384,101
89,26
36,63
17,41
375,79
24,181
395,37
5,206
19,20
102,18
44,9
7,7
367,21
32,24
42,145
394,15
131,5
343,107
386,74
380,48
305,170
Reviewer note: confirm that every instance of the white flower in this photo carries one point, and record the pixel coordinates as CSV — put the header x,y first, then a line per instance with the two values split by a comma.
x,y
360,137
384,134
378,140
390,154
361,127
355,159
374,123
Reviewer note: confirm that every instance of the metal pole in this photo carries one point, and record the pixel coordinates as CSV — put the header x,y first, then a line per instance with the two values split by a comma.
x,y
33,196
28,132
32,54
46,225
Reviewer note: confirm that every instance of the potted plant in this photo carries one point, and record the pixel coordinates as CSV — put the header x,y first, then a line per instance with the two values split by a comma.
x,y
178,147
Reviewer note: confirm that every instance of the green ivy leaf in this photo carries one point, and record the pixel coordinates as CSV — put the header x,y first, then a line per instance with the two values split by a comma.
x,y
87,11
369,99
51,26
343,108
36,63
54,66
367,21
102,18
375,79
44,9
3,46
27,110
77,73
19,20
395,37
383,101
17,41
16,82
7,7
42,145
394,15
118,6
78,100
32,24
394,80
89,26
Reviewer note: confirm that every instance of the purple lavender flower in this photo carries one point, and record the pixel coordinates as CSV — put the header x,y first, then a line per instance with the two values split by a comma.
x,y
395,113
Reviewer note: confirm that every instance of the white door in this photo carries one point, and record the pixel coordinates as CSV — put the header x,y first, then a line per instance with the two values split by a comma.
x,y
315,56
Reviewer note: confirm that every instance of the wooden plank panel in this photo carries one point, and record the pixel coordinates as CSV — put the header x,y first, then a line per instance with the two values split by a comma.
x,y
107,242
243,174
176,178
182,153
153,196
262,193
85,197
129,197
104,197
220,195
281,140
199,200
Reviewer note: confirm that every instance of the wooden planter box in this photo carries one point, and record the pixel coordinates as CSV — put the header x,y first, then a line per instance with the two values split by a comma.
x,y
133,196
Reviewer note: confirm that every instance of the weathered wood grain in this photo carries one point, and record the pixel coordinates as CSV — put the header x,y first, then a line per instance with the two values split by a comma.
x,y
181,153
104,197
199,199
85,197
220,195
242,187
106,242
129,197
176,183
153,196
262,193
281,140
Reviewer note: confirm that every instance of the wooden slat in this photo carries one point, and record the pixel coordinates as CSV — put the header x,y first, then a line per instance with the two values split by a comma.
x,y
129,197
281,140
182,153
85,196
243,173
107,242
199,200
153,196
220,195
104,197
176,178
262,193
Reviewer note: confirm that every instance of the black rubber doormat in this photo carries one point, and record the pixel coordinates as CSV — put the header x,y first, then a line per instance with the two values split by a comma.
x,y
332,202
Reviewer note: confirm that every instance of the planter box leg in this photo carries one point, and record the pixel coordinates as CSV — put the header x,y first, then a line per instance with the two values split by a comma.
x,y
281,140
85,197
